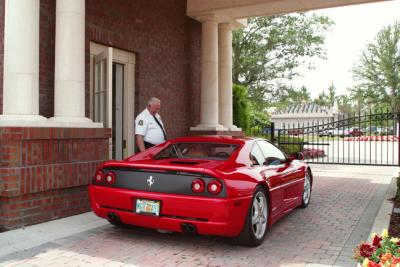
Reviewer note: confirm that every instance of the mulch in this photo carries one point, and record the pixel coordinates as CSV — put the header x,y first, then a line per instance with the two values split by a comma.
x,y
394,227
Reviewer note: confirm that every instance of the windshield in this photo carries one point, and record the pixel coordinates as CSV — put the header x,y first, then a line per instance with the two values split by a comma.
x,y
197,150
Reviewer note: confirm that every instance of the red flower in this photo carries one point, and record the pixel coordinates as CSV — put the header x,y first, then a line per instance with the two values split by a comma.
x,y
366,250
395,260
377,241
373,264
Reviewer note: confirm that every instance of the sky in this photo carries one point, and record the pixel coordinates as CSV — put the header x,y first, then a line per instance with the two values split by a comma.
x,y
355,27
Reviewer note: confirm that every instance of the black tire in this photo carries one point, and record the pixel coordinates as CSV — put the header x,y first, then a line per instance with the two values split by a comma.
x,y
247,237
306,197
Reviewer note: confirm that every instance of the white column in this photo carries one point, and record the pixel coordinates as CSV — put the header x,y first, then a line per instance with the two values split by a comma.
x,y
69,80
225,76
209,76
21,64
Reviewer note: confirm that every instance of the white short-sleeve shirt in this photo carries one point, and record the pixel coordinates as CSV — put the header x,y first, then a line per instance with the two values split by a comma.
x,y
146,125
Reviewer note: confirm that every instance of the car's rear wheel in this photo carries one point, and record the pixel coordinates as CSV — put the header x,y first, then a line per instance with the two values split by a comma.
x,y
256,223
307,190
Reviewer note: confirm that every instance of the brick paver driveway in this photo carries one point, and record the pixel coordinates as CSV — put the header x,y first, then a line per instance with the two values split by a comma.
x,y
344,204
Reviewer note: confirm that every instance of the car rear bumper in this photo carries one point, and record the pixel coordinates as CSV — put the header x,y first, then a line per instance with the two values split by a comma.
x,y
210,216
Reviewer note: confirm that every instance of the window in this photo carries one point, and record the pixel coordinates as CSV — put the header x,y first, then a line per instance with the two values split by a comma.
x,y
197,150
256,155
272,154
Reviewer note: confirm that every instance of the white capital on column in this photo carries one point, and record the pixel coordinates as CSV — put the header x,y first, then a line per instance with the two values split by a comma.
x,y
225,75
69,80
209,76
21,63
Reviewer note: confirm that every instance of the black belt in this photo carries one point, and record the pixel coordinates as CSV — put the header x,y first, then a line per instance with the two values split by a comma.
x,y
148,145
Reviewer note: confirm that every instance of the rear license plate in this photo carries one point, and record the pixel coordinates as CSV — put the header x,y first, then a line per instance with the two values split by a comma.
x,y
148,207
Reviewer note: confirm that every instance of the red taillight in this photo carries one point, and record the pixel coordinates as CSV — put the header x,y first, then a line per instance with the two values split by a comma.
x,y
99,178
214,187
110,178
198,186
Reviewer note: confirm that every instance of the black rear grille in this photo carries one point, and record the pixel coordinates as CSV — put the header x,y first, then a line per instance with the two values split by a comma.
x,y
169,182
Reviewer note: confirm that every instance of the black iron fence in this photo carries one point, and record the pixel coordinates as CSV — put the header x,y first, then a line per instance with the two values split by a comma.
x,y
370,138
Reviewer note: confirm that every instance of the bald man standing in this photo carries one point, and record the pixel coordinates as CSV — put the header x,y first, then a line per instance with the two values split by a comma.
x,y
149,129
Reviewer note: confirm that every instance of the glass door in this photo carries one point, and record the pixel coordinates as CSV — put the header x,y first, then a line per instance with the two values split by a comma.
x,y
118,108
112,96
102,76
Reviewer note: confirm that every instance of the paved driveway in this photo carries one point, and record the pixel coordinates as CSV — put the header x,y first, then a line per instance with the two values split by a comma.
x,y
344,204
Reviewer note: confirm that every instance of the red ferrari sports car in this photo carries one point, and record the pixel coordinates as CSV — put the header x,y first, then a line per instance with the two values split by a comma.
x,y
211,185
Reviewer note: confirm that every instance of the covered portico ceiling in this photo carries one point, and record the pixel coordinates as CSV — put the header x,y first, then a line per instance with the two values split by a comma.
x,y
236,9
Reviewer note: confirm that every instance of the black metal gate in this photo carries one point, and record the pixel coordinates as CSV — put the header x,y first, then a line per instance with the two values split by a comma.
x,y
360,139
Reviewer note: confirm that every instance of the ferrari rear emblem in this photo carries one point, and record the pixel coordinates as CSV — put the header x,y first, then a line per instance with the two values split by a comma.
x,y
150,181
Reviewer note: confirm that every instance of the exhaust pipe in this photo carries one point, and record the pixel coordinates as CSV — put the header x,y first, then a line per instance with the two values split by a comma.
x,y
113,217
188,228
184,228
192,228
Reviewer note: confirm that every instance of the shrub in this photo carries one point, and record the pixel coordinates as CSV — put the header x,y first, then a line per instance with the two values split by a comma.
x,y
295,144
310,153
241,110
383,251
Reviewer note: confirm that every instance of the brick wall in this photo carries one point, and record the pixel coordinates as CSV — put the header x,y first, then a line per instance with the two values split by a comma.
x,y
47,57
167,47
44,172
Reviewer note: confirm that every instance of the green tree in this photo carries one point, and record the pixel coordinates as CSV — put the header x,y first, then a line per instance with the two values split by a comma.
x,y
241,110
327,99
344,104
331,95
293,96
322,100
268,52
378,72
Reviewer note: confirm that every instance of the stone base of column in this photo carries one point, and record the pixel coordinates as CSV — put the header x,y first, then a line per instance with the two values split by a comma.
x,y
234,128
40,121
75,122
23,121
208,127
217,132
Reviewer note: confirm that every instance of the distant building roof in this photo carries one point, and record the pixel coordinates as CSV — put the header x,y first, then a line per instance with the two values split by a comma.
x,y
303,108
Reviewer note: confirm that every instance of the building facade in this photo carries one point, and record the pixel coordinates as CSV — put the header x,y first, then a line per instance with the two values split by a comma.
x,y
56,118
75,73
303,115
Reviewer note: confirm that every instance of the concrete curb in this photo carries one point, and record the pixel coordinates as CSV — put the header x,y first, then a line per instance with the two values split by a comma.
x,y
382,219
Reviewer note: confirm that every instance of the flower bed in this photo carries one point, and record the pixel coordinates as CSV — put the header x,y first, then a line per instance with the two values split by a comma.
x,y
382,252
388,138
311,153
